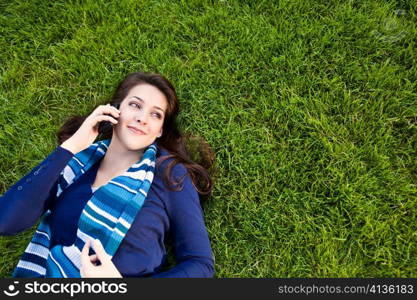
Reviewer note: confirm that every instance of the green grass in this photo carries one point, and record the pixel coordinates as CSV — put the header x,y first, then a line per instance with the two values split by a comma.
x,y
310,106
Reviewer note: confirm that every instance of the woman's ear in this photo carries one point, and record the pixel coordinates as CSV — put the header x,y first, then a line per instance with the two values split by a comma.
x,y
160,134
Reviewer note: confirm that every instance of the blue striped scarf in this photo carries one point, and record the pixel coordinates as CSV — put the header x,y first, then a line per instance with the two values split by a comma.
x,y
107,216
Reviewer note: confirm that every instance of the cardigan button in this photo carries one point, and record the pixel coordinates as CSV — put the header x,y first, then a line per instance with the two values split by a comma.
x,y
20,187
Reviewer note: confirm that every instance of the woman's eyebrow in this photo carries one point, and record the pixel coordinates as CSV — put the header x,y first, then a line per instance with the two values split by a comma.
x,y
140,99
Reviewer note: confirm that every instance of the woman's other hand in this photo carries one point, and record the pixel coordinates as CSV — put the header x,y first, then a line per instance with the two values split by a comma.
x,y
88,131
89,269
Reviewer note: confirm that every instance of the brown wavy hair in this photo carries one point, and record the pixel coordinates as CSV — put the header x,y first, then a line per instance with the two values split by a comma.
x,y
192,151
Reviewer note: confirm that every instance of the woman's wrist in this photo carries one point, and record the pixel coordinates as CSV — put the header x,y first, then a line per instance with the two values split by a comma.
x,y
70,147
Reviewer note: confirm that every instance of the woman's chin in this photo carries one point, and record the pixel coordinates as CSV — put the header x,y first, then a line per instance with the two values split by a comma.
x,y
137,146
126,141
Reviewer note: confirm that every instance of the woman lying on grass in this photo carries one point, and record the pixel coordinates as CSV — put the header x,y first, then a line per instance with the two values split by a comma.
x,y
115,195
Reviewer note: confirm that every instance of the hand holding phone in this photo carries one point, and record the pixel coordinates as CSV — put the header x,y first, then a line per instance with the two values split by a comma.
x,y
90,128
105,126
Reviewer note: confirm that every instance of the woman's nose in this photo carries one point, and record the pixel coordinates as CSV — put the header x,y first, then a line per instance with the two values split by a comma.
x,y
142,117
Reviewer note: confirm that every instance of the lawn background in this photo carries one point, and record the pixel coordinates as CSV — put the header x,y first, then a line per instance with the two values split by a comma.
x,y
310,107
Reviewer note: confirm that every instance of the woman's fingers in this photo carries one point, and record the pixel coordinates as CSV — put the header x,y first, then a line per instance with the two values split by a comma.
x,y
93,258
105,113
105,118
106,269
101,253
107,109
84,254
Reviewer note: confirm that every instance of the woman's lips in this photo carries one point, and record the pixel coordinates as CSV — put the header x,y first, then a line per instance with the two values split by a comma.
x,y
136,131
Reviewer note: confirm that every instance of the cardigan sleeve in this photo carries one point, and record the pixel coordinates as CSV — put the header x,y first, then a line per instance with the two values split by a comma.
x,y
23,204
192,248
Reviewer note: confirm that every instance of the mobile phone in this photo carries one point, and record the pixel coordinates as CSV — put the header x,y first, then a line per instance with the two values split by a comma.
x,y
106,126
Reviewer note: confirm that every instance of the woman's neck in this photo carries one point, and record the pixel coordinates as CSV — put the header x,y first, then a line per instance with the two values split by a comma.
x,y
118,159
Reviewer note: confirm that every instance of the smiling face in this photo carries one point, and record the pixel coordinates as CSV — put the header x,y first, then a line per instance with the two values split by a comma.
x,y
142,114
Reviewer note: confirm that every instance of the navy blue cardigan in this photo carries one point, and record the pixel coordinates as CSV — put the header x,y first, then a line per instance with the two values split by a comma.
x,y
142,253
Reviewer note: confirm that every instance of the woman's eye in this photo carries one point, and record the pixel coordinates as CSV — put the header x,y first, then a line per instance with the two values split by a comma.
x,y
137,105
158,115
